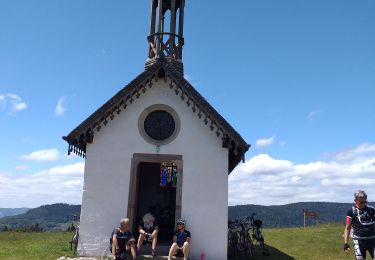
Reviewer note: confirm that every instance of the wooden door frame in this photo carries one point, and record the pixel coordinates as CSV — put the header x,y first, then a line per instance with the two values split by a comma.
x,y
134,175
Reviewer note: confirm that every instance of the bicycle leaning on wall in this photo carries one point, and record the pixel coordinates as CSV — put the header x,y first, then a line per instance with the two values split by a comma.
x,y
257,235
239,238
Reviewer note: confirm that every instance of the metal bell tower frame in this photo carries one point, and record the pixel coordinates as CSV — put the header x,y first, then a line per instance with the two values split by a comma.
x,y
166,40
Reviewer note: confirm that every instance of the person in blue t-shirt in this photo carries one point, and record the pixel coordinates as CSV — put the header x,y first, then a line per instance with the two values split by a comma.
x,y
181,241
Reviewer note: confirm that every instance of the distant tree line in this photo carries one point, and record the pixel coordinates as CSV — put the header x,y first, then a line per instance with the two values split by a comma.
x,y
291,215
33,228
60,217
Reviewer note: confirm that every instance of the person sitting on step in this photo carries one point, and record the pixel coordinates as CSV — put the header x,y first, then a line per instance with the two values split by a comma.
x,y
148,231
123,241
181,241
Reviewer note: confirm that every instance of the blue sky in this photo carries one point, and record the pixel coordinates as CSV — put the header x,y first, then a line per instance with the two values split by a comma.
x,y
295,78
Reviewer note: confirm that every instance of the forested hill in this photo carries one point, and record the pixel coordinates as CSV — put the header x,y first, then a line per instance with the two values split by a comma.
x,y
291,215
48,217
4,212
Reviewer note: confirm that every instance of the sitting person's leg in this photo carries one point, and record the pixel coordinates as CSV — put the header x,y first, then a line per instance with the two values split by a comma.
x,y
133,250
130,247
115,248
140,241
185,250
173,251
154,237
120,253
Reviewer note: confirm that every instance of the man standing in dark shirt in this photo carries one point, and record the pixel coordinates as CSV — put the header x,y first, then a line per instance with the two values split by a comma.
x,y
360,222
123,241
181,241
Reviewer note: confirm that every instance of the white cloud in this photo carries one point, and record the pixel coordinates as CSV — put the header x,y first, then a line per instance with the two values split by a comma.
x,y
19,106
48,155
21,167
58,184
313,115
12,103
101,53
361,151
265,141
60,107
363,182
265,164
67,169
269,181
2,97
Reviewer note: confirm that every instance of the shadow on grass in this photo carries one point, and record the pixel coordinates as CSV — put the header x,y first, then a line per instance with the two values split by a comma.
x,y
275,254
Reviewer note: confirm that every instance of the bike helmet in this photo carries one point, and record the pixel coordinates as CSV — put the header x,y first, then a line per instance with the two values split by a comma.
x,y
181,221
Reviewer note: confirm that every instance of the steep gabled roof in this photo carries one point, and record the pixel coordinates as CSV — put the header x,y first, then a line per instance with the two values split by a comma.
x,y
163,69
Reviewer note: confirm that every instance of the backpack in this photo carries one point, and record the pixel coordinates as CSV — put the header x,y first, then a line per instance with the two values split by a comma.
x,y
111,240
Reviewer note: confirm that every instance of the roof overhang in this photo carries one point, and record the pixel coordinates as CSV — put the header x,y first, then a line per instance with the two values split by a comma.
x,y
165,70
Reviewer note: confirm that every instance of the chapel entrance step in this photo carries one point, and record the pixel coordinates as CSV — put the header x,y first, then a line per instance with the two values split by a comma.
x,y
162,251
145,257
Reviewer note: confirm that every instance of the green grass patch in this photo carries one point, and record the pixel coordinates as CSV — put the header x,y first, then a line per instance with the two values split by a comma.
x,y
321,242
38,246
310,243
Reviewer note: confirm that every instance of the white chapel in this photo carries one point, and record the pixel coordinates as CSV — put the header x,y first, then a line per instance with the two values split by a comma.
x,y
157,143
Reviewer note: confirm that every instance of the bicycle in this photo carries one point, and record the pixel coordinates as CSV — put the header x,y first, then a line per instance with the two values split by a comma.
x,y
247,241
74,240
257,235
240,238
233,237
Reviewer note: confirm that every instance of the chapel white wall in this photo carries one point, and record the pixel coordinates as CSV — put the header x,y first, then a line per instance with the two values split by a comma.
x,y
108,167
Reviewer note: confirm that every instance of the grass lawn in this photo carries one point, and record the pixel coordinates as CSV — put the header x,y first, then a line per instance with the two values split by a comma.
x,y
38,246
322,242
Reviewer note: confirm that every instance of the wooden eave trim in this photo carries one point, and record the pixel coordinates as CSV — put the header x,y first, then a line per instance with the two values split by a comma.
x,y
231,140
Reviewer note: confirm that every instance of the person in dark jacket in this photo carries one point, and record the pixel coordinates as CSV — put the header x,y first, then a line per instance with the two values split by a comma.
x,y
123,241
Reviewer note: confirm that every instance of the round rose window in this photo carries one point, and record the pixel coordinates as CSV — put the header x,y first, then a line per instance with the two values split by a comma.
x,y
159,125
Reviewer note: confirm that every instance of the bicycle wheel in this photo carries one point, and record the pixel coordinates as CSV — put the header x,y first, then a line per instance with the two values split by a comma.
x,y
240,248
236,251
235,248
234,244
248,248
